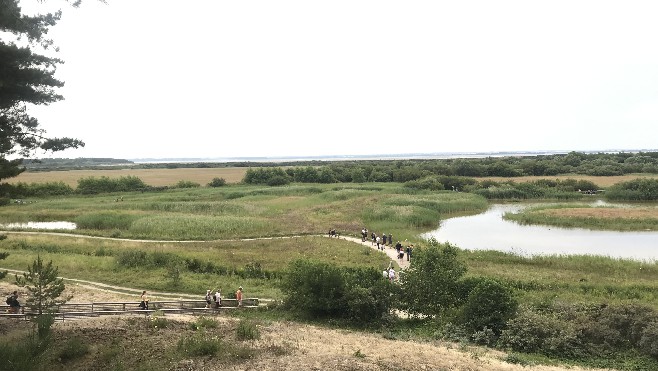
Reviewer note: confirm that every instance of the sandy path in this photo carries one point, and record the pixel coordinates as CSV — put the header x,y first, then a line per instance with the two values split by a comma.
x,y
132,292
388,250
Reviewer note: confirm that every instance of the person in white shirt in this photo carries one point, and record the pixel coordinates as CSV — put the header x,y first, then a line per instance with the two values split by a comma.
x,y
218,299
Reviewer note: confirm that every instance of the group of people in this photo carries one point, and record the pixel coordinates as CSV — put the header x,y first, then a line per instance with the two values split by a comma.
x,y
381,242
14,304
401,251
389,274
214,300
387,240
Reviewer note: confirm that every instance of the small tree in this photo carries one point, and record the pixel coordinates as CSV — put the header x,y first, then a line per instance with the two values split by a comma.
x,y
430,284
44,287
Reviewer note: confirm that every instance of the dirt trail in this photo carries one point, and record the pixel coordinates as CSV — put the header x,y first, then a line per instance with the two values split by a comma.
x,y
306,347
388,250
129,291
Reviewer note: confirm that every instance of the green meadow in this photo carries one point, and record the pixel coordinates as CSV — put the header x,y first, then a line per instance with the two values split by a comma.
x,y
194,239
247,235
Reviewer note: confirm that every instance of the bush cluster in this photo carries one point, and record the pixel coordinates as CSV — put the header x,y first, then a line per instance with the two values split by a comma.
x,y
157,259
318,289
634,190
93,185
543,188
582,331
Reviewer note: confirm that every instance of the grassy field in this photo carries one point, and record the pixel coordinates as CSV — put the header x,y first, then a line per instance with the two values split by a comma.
x,y
152,177
199,229
233,175
628,218
190,240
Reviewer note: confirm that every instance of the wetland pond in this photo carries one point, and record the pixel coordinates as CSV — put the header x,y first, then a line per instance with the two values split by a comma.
x,y
489,231
40,225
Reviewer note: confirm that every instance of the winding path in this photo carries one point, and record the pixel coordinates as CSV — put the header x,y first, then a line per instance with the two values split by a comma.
x,y
388,250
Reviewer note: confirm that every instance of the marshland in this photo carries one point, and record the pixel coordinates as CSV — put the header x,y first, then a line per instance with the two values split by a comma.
x,y
268,233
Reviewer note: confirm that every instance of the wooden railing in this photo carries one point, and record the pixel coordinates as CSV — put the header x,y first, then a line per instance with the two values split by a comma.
x,y
109,308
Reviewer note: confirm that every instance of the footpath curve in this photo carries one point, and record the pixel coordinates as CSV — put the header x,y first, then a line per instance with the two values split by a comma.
x,y
113,289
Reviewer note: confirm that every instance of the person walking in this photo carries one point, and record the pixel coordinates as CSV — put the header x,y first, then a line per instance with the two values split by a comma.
x,y
238,296
144,301
218,299
208,298
14,304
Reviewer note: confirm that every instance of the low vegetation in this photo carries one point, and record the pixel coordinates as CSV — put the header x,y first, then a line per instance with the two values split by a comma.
x,y
581,310
629,218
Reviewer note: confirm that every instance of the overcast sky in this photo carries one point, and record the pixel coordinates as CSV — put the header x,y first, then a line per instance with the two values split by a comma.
x,y
161,78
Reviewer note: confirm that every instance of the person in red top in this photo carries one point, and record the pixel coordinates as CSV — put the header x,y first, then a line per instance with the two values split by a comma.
x,y
238,296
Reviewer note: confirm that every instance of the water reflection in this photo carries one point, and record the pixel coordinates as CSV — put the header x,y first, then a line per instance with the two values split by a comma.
x,y
40,225
488,231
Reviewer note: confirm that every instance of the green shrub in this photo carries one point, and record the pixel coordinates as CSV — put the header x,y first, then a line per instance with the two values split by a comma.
x,y
205,322
618,326
199,345
324,290
157,321
24,355
490,305
648,342
430,183
634,190
72,349
217,182
247,330
532,332
93,185
187,184
132,258
430,285
315,288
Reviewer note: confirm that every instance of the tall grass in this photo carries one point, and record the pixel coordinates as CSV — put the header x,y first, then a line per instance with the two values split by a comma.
x,y
250,211
540,216
569,277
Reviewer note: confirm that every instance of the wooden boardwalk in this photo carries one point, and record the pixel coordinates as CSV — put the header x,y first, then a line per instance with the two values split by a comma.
x,y
95,309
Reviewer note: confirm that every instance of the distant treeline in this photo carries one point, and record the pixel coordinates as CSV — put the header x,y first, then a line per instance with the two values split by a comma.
x,y
597,164
415,175
600,164
52,164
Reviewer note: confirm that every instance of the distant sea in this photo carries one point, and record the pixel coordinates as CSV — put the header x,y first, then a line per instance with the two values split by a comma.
x,y
384,156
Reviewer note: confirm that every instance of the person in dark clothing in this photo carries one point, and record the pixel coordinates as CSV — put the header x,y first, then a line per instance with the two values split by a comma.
x,y
14,304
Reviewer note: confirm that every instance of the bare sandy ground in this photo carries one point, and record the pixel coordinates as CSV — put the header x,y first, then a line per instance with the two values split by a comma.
x,y
306,347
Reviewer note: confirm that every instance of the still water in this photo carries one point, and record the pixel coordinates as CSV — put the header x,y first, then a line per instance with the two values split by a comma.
x,y
40,225
488,231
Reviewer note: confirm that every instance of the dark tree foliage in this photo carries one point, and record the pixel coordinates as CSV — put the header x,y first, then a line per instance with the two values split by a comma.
x,y
430,285
26,77
318,289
